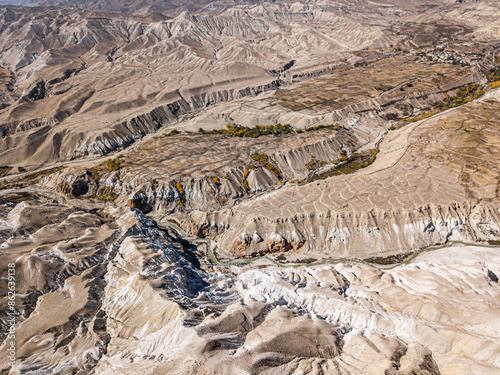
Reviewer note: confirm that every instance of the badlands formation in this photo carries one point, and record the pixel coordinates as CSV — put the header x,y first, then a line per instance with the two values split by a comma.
x,y
229,187
109,292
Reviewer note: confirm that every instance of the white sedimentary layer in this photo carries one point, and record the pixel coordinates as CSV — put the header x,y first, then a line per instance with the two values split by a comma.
x,y
123,297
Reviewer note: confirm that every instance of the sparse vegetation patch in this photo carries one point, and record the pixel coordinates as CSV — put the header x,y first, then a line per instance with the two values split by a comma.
x,y
494,74
275,170
113,165
393,259
495,85
172,132
319,127
261,158
245,181
383,88
180,189
4,169
464,95
245,131
348,165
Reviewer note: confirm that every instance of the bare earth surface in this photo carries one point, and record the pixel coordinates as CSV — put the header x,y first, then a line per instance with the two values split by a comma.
x,y
228,187
116,294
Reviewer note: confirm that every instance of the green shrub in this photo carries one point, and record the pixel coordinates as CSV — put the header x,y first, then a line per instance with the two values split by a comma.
x,y
173,132
463,95
372,158
245,131
108,198
494,74
319,127
259,157
113,165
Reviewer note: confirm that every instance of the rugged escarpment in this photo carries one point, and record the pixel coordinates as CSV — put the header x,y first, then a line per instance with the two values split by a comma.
x,y
432,182
208,171
126,296
54,143
250,188
81,274
125,133
226,169
360,235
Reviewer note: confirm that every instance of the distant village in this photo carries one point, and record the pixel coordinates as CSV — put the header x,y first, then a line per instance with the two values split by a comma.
x,y
453,57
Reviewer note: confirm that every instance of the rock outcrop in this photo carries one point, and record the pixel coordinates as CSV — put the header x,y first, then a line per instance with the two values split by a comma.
x,y
409,198
126,296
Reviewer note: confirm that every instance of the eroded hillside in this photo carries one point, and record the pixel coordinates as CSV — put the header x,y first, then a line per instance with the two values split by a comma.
x,y
84,84
249,187
113,292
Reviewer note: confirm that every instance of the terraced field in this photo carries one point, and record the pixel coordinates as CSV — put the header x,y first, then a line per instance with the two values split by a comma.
x,y
390,76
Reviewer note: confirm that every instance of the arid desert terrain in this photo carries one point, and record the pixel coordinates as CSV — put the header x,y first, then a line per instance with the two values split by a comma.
x,y
250,187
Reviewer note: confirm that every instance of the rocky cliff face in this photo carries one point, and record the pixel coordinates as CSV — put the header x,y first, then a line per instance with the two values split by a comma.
x,y
353,235
127,296
90,273
262,205
406,200
239,167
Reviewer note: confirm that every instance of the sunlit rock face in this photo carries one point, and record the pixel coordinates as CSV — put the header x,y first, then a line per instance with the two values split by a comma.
x,y
81,273
107,291
254,187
